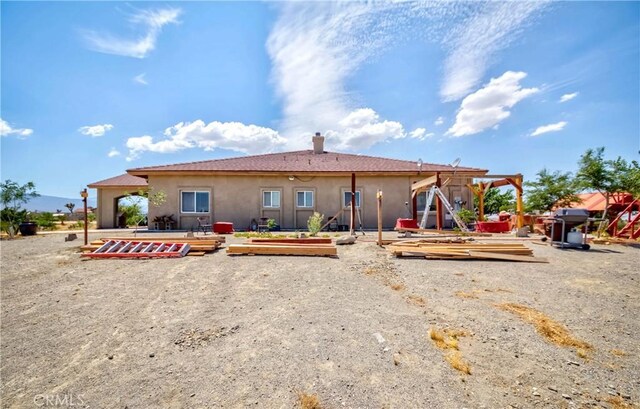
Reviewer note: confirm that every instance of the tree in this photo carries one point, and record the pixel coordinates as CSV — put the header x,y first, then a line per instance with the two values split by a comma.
x,y
70,206
550,190
13,196
154,198
607,176
495,201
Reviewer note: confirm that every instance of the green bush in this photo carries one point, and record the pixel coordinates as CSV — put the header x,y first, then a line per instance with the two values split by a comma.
x,y
315,223
46,221
467,215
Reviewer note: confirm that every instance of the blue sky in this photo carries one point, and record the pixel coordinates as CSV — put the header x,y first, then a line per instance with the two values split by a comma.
x,y
92,89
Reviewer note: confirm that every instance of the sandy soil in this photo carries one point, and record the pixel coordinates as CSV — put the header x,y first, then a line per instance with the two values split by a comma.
x,y
253,331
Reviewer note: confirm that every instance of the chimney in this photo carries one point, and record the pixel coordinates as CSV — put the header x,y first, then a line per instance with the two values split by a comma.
x,y
318,144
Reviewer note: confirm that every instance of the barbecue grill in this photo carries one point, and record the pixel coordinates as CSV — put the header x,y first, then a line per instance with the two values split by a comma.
x,y
560,225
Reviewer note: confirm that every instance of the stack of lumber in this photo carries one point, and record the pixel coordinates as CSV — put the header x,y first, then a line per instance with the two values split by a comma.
x,y
285,247
465,251
198,246
447,232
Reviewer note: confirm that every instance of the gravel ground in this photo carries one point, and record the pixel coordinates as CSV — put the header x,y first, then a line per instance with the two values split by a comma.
x,y
256,331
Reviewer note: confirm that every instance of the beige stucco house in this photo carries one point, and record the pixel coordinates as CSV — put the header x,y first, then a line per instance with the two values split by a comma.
x,y
287,187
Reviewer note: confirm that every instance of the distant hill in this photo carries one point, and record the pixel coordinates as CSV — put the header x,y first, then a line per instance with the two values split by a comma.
x,y
52,203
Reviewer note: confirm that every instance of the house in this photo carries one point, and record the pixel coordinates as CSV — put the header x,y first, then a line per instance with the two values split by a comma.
x,y
287,187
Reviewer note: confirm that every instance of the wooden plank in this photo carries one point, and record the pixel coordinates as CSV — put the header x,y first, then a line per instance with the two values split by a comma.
x,y
507,257
424,182
310,240
262,249
171,239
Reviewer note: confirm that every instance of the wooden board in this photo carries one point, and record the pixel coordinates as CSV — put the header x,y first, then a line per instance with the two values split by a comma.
x,y
172,239
508,257
310,240
282,250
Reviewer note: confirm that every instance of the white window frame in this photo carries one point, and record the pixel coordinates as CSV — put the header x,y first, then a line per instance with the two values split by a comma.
x,y
305,205
195,194
345,204
271,192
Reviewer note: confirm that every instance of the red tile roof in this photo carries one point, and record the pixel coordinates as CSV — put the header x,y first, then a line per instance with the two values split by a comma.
x,y
120,181
304,162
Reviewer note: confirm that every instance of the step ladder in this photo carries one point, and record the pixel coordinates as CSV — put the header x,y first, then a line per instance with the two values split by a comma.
x,y
435,190
139,249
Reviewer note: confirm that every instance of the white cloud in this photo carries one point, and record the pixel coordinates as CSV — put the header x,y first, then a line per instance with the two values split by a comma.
x,y
439,121
476,39
150,22
490,105
6,130
362,129
225,135
420,134
568,97
113,153
140,79
559,126
95,130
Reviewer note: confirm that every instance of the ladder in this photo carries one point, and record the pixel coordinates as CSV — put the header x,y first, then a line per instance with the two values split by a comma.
x,y
139,249
435,190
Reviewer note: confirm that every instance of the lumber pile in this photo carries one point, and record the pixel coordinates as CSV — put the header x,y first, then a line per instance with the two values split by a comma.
x,y
465,251
443,232
198,246
285,247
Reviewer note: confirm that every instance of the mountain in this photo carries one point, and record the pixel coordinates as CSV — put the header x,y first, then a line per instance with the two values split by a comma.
x,y
52,203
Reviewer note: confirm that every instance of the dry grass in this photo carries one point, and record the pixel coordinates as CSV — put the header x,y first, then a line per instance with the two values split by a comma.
x,y
455,360
552,330
416,299
617,402
618,352
307,401
447,339
462,294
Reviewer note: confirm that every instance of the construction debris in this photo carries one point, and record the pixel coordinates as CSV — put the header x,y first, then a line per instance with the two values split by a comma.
x,y
455,250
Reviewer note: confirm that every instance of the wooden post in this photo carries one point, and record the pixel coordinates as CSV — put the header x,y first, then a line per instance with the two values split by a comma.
x,y
519,206
438,205
379,197
353,204
84,195
414,206
481,201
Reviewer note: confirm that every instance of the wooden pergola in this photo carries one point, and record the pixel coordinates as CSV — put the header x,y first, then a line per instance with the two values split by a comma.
x,y
481,188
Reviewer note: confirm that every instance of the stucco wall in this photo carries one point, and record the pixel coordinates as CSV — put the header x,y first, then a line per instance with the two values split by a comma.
x,y
238,199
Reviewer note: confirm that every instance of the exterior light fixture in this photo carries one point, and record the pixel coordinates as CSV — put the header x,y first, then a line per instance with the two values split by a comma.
x,y
291,178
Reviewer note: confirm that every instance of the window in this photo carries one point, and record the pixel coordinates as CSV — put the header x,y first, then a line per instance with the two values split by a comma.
x,y
347,198
194,202
304,198
271,198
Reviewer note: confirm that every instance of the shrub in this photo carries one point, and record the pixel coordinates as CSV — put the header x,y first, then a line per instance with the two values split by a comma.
x,y
467,215
46,221
315,223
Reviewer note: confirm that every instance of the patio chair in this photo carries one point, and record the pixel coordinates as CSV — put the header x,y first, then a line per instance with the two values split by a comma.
x,y
204,225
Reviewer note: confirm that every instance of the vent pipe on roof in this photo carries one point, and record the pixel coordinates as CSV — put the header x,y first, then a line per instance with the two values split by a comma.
x,y
318,144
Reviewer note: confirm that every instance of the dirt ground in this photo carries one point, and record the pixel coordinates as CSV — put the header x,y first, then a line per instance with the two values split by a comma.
x,y
258,331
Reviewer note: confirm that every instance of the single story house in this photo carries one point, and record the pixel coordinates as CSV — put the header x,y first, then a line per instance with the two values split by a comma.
x,y
287,187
